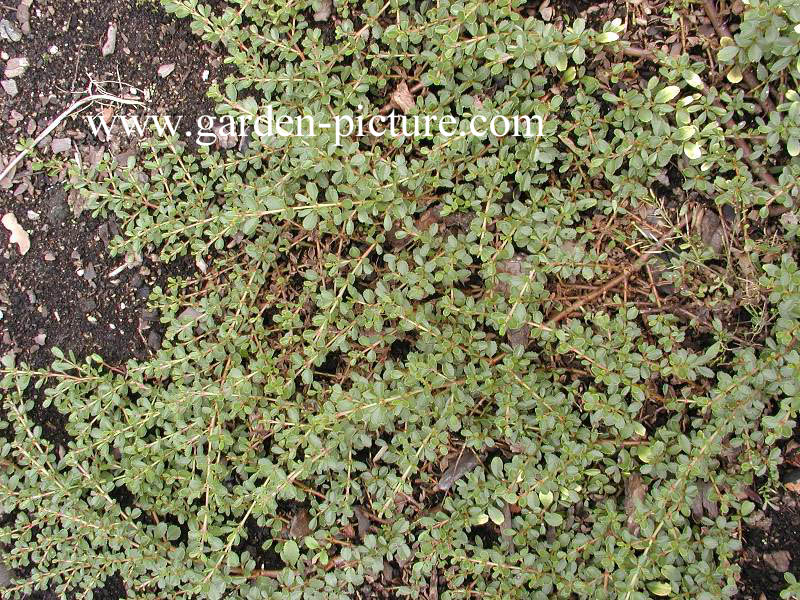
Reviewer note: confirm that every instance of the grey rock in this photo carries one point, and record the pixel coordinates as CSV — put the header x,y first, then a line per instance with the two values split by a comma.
x,y
111,41
143,292
16,67
323,13
166,70
10,87
9,31
60,145
5,576
89,272
88,305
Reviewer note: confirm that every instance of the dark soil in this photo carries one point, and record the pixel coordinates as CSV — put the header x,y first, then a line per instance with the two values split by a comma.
x,y
62,287
775,531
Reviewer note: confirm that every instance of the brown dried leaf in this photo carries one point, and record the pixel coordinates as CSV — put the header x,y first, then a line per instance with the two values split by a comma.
x,y
635,491
402,97
461,465
363,522
298,528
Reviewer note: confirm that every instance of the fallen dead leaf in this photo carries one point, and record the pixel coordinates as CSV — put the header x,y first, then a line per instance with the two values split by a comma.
x,y
323,13
299,528
402,97
635,491
461,465
18,235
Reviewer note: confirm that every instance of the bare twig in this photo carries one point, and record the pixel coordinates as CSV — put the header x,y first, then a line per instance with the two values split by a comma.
x,y
642,261
59,119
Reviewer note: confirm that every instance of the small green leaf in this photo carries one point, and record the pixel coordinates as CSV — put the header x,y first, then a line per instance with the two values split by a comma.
x,y
694,80
727,54
667,94
608,36
692,150
496,515
290,553
659,588
553,519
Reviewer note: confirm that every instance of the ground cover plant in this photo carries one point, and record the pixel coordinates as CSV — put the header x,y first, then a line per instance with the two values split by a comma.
x,y
439,367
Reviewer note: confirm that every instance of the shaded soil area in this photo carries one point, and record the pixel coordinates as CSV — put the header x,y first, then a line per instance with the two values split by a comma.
x,y
67,291
771,549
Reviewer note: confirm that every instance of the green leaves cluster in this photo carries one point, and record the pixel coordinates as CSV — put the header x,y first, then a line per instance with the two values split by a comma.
x,y
371,312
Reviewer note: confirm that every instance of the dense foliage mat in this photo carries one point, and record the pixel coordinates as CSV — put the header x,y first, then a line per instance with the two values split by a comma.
x,y
495,368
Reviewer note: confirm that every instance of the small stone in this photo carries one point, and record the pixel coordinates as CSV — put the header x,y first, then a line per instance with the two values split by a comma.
x,y
40,339
10,87
60,145
33,215
9,31
5,576
49,256
53,50
16,67
166,70
111,41
89,273
780,561
88,305
18,235
143,292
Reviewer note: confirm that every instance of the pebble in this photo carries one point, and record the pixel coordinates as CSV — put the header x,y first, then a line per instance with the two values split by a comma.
x,y
10,87
5,576
88,305
61,145
111,41
143,292
49,256
166,70
40,339
16,67
9,31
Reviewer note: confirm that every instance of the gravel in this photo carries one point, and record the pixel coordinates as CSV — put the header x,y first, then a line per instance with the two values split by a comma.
x,y
10,87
